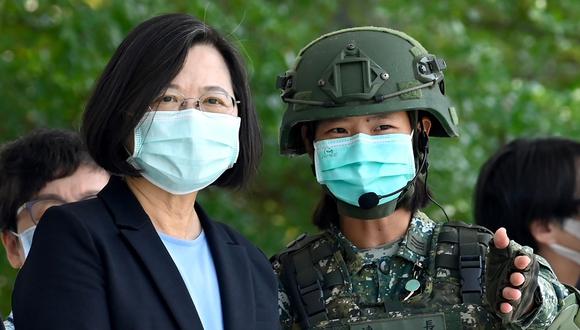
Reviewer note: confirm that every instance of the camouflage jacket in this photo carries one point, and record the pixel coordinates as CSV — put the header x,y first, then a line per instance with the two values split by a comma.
x,y
400,281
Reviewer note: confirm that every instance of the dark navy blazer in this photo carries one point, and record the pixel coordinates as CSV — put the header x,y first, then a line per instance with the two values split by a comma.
x,y
100,264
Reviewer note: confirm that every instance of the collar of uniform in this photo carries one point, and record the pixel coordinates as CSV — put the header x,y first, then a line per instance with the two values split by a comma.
x,y
355,261
414,246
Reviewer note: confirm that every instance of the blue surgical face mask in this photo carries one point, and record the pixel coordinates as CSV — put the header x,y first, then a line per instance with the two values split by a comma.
x,y
352,166
185,151
25,238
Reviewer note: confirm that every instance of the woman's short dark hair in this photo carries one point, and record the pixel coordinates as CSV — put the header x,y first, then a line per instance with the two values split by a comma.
x,y
30,162
528,180
140,70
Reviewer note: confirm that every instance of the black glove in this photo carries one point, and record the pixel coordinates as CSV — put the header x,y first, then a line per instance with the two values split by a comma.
x,y
500,265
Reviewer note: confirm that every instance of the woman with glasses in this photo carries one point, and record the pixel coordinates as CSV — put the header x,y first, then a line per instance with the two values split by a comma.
x,y
170,116
37,171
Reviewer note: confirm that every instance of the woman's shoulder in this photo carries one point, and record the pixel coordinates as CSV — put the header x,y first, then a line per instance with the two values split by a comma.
x,y
91,205
232,235
90,214
86,207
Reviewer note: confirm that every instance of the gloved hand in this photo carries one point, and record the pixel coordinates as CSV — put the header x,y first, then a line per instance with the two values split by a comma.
x,y
511,278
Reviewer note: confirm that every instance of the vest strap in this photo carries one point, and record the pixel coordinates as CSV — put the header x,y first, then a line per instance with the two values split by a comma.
x,y
469,261
305,283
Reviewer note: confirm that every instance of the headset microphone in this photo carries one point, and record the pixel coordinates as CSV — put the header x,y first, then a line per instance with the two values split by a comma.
x,y
369,200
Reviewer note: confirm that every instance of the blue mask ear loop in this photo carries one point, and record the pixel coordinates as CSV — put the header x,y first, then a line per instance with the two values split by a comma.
x,y
143,138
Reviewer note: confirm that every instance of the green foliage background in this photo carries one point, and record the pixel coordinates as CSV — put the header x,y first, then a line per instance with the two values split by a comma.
x,y
513,70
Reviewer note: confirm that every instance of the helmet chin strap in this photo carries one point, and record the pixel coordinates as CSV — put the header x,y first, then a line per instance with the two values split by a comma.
x,y
377,212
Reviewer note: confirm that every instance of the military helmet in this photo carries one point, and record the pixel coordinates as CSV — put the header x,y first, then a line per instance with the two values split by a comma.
x,y
363,71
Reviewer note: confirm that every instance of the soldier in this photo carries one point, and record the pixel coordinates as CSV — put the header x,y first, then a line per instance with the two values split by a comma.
x,y
362,103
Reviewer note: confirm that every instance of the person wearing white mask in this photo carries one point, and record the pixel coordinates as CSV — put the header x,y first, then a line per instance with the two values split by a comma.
x,y
44,168
170,115
532,188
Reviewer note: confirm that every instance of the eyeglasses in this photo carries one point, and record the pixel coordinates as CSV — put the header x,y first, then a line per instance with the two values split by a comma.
x,y
213,101
36,207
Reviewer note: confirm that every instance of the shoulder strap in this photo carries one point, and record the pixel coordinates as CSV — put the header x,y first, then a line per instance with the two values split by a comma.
x,y
301,277
469,261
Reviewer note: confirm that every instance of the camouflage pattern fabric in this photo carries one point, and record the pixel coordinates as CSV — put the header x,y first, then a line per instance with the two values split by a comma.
x,y
378,288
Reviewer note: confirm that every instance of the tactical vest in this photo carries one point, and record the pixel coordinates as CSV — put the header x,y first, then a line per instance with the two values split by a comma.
x,y
445,302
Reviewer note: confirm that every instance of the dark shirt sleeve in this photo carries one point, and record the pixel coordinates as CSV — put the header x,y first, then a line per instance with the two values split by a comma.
x,y
61,285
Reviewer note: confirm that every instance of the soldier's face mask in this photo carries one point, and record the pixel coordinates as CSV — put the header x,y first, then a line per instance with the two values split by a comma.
x,y
352,166
571,226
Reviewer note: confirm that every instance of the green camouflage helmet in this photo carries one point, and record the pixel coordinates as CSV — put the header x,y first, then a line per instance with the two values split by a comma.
x,y
363,71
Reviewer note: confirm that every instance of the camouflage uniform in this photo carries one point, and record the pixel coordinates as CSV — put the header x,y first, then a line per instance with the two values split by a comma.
x,y
376,280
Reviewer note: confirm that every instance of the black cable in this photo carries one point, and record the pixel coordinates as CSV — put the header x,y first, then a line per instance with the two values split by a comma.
x,y
431,198
425,155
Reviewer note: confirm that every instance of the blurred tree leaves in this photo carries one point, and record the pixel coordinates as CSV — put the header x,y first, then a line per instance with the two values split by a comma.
x,y
513,70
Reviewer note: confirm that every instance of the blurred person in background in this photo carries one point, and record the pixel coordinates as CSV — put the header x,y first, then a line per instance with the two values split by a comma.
x,y
532,188
170,115
44,168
